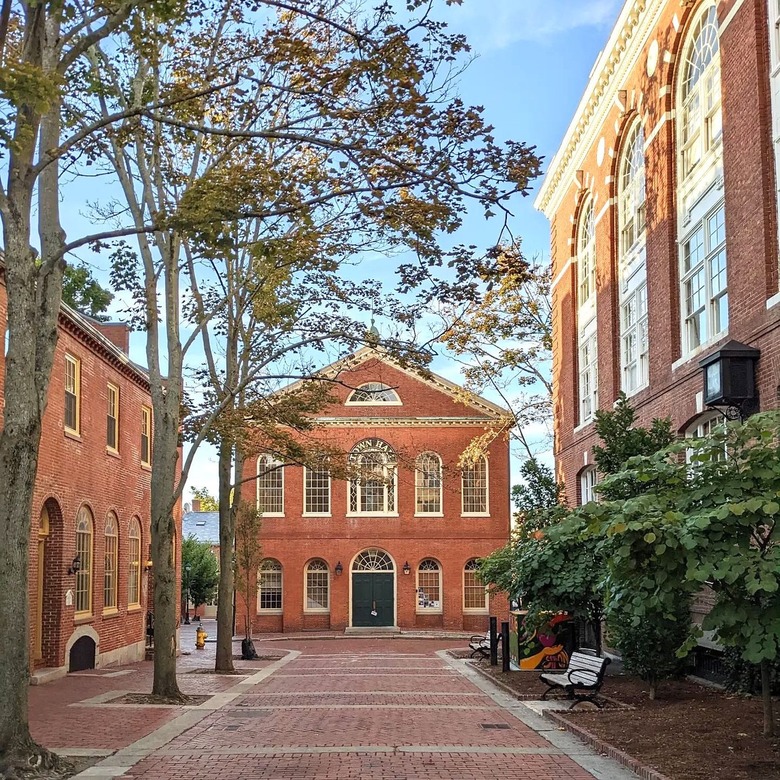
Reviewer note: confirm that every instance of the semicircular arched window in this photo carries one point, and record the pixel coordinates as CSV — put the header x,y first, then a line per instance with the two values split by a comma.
x,y
429,586
373,394
84,532
373,560
372,485
317,586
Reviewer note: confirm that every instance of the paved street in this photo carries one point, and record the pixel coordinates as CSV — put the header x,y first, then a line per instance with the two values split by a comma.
x,y
344,708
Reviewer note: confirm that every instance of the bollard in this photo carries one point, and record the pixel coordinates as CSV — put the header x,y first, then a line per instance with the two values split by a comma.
x,y
493,641
505,646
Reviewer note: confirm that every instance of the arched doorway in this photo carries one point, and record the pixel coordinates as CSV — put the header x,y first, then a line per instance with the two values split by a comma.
x,y
373,589
43,535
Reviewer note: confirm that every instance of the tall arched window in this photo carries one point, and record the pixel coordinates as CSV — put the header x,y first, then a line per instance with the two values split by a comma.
x,y
84,531
317,586
269,586
110,573
429,586
428,484
270,486
134,563
474,487
702,219
633,279
589,478
372,488
586,313
475,597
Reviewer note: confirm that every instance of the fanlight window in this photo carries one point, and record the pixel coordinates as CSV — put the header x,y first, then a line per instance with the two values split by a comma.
x,y
429,586
372,488
428,483
373,560
586,256
317,586
269,586
633,191
374,393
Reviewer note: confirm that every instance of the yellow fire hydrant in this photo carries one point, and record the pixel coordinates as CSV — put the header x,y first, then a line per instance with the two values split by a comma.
x,y
200,638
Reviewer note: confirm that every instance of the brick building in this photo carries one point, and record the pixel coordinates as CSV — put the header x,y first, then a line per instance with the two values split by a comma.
x,y
89,544
396,545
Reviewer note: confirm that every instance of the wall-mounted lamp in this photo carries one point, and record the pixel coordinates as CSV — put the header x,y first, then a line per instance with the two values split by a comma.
x,y
339,568
407,569
75,566
148,565
730,380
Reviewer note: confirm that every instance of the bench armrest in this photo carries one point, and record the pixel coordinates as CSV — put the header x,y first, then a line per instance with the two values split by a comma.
x,y
596,677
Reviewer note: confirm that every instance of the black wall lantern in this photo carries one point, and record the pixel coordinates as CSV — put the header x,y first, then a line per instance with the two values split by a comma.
x,y
339,568
407,568
730,380
75,566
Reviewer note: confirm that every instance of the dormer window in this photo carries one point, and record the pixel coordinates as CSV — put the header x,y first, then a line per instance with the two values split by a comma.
x,y
373,394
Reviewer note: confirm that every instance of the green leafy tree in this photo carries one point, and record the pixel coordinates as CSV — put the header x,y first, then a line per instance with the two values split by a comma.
x,y
207,502
81,291
248,557
537,492
203,575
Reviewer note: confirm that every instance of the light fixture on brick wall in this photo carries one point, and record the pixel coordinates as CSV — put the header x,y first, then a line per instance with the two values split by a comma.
x,y
75,566
730,380
407,569
339,568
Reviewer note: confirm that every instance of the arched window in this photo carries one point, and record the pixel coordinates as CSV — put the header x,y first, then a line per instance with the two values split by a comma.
x,y
373,394
372,488
110,574
589,478
632,193
270,486
317,586
84,531
475,597
373,560
429,586
427,484
134,563
474,487
269,586
702,427
586,313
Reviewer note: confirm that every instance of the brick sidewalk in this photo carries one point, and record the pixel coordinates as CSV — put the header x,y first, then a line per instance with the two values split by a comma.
x,y
349,708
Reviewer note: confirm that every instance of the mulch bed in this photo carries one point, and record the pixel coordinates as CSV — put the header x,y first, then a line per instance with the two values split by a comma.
x,y
189,700
690,732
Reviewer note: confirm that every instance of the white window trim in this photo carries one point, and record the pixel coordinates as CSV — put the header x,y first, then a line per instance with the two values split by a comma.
x,y
430,610
315,610
588,336
587,484
773,17
642,359
472,610
440,513
391,467
76,362
329,513
266,610
257,484
109,387
463,512
397,402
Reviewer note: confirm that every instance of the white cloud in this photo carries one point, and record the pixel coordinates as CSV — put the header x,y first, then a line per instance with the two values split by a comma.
x,y
494,24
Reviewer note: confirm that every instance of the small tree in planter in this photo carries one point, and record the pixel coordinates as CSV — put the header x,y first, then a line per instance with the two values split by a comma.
x,y
248,557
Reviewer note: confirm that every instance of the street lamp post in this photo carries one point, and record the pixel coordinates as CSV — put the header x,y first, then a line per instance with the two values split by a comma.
x,y
187,569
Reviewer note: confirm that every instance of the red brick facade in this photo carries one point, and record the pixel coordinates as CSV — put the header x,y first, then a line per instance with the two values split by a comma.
x,y
641,80
428,419
80,477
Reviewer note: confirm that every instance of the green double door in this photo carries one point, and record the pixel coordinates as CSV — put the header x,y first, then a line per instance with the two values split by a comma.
x,y
373,601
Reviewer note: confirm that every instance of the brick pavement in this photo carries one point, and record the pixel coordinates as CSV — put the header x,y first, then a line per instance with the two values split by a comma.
x,y
350,708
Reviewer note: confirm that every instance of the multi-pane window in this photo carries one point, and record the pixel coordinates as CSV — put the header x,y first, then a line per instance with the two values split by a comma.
x,y
317,586
474,487
372,487
588,369
316,490
112,418
634,342
146,435
700,115
72,394
475,595
374,393
632,191
84,529
428,484
702,428
134,563
429,586
703,277
270,486
586,256
110,574
269,586
588,480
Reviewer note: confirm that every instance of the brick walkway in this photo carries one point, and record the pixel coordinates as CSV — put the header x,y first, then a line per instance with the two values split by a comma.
x,y
346,708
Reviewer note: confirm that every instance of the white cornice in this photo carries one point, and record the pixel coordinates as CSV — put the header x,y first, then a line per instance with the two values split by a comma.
x,y
633,28
413,422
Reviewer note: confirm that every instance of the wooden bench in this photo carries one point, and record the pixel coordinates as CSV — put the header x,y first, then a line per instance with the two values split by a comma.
x,y
480,645
581,680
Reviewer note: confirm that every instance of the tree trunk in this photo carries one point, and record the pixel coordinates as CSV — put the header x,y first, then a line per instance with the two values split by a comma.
x,y
227,532
653,689
766,697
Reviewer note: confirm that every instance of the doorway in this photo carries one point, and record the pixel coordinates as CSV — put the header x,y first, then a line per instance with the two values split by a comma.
x,y
373,590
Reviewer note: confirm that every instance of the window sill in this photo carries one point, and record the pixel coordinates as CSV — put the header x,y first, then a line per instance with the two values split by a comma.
x,y
80,618
773,301
583,425
271,514
316,514
261,612
71,434
146,466
110,612
429,612
132,608
372,514
698,351
475,514
316,612
472,611
429,514
113,453
636,390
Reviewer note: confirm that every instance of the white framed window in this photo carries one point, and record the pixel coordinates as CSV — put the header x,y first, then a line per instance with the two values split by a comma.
x,y
316,491
373,484
588,376
704,293
475,595
429,586
634,346
586,257
269,586
589,478
428,484
474,488
110,573
373,559
703,426
700,120
270,486
146,436
84,534
112,418
134,563
317,586
72,394
373,394
632,192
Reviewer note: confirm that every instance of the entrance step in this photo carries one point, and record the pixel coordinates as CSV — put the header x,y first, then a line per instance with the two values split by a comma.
x,y
364,630
46,674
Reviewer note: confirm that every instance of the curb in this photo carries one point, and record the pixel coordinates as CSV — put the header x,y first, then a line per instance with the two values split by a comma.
x,y
307,637
642,770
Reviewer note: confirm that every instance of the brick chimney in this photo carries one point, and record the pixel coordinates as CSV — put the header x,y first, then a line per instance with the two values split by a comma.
x,y
118,333
196,505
